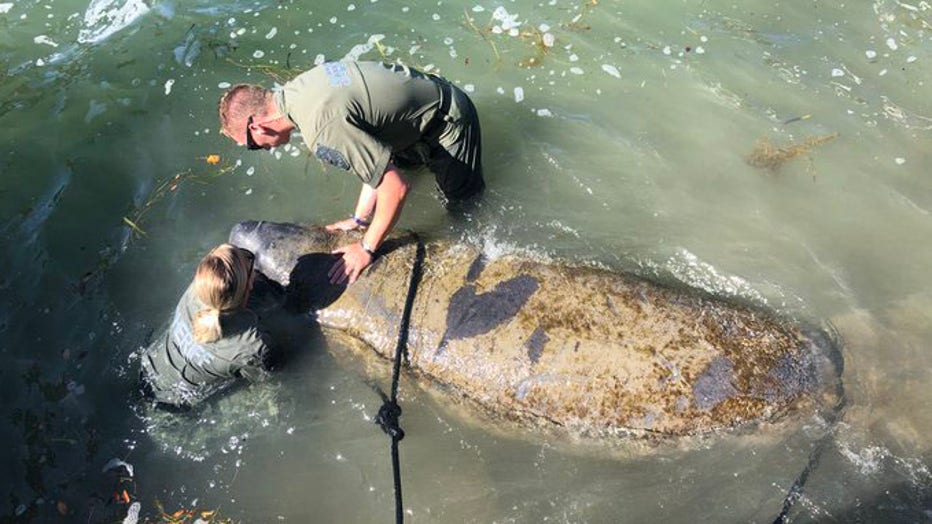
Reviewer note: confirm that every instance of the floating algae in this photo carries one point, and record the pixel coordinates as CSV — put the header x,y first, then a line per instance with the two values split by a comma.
x,y
766,155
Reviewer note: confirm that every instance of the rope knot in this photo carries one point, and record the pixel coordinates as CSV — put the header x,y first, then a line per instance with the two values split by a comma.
x,y
387,419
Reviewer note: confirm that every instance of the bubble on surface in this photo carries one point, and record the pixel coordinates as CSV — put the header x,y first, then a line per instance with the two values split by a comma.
x,y
519,94
612,70
42,39
106,17
168,86
360,49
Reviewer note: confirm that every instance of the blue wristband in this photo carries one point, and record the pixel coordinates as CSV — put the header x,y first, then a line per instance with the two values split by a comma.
x,y
359,221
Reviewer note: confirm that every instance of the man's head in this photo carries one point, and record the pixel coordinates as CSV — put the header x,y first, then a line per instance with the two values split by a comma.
x,y
250,116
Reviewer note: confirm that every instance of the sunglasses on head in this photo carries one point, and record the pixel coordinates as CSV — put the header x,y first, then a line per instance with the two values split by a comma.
x,y
250,143
250,258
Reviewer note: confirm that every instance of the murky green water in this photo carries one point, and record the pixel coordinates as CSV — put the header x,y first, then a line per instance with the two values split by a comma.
x,y
626,144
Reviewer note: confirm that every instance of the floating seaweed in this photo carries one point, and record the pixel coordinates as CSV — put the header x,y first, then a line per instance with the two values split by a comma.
x,y
484,35
576,23
280,74
766,155
541,42
170,186
188,516
135,219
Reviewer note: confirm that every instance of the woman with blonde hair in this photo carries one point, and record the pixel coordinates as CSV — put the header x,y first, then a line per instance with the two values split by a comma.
x,y
213,338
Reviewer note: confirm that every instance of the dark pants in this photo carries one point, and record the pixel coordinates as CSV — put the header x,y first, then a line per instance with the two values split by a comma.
x,y
452,152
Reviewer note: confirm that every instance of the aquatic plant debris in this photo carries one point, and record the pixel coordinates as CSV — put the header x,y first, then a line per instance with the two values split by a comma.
x,y
189,516
767,155
540,38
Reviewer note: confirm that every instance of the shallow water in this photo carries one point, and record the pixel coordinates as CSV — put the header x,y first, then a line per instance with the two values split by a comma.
x,y
626,145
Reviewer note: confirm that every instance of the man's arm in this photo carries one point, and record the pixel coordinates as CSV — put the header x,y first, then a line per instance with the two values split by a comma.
x,y
389,200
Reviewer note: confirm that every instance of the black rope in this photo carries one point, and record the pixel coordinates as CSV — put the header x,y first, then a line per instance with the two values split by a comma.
x,y
832,419
390,412
796,490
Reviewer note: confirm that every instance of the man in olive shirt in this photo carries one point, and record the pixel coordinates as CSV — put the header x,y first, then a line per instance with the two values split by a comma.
x,y
367,118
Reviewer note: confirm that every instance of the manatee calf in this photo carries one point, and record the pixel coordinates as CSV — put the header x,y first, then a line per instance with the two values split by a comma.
x,y
591,351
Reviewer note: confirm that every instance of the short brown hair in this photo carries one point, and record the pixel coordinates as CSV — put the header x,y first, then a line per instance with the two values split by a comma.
x,y
240,102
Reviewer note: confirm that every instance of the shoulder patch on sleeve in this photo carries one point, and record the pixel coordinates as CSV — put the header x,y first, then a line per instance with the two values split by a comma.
x,y
337,74
332,157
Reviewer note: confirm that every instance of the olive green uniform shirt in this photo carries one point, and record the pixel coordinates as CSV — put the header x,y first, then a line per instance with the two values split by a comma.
x,y
354,115
182,372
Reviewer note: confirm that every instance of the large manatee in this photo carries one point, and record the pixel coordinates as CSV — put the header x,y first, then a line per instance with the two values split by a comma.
x,y
591,351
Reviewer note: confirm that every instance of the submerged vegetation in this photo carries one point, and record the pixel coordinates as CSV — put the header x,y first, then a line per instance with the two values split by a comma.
x,y
766,155
539,39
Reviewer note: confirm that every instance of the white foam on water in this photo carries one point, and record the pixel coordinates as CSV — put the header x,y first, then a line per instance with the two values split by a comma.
x,y
868,460
361,49
612,70
508,21
168,86
42,39
103,18
519,94
5,8
690,269
271,34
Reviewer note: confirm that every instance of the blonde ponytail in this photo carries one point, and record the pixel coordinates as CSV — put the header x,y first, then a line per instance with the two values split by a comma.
x,y
222,283
206,326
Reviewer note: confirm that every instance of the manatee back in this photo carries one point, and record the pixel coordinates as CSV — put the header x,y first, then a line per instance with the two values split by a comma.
x,y
590,350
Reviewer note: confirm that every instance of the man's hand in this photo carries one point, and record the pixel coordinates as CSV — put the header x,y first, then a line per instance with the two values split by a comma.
x,y
350,265
348,224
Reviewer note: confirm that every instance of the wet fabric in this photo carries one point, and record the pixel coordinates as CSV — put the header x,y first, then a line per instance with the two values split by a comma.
x,y
360,116
181,372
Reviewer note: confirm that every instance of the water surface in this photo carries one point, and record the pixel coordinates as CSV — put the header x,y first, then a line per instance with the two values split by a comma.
x,y
621,139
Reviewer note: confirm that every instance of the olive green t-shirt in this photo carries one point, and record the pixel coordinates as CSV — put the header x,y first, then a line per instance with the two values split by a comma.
x,y
182,372
354,115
